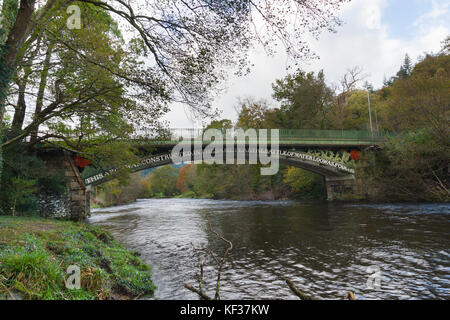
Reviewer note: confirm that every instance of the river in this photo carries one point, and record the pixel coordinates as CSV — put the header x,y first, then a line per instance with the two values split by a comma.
x,y
377,251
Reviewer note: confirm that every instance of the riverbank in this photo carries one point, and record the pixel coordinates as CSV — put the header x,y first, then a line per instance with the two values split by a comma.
x,y
35,254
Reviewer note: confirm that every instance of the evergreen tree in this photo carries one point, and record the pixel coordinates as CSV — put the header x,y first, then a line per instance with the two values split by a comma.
x,y
406,68
446,46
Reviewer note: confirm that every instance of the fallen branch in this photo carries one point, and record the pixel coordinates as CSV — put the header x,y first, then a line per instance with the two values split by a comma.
x,y
200,293
200,280
297,292
220,264
350,295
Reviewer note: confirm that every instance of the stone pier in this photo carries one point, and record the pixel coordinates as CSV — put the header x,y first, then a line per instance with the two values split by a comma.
x,y
72,204
350,188
346,189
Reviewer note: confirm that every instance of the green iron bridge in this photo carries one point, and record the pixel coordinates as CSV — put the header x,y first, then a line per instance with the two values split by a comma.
x,y
336,155
333,154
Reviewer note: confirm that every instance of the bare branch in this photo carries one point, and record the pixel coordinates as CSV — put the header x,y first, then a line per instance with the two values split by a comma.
x,y
200,293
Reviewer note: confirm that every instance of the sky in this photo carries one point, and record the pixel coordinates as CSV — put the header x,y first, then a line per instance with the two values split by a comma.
x,y
376,35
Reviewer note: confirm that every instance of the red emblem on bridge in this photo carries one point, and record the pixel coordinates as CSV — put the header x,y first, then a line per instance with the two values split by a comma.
x,y
81,162
355,155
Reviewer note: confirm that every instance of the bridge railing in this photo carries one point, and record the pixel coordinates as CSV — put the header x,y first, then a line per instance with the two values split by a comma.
x,y
329,134
177,134
174,135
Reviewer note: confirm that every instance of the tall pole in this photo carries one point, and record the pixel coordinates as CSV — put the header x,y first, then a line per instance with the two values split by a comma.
x,y
376,120
370,113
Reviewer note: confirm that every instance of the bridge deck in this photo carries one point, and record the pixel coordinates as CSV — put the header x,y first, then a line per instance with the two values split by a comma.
x,y
287,137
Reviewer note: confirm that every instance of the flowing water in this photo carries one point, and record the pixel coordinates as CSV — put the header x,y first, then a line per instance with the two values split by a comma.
x,y
378,251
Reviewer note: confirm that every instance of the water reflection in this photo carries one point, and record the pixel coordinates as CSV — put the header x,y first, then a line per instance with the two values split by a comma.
x,y
325,248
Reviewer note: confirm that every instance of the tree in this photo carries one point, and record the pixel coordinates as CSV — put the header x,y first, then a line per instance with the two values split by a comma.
x,y
422,100
85,105
446,46
184,48
351,79
184,41
356,113
306,184
220,124
184,180
92,95
405,69
162,182
115,192
305,99
27,181
347,84
15,22
21,189
253,114
414,164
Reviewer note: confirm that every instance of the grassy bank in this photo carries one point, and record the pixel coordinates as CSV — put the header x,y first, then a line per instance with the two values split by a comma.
x,y
35,254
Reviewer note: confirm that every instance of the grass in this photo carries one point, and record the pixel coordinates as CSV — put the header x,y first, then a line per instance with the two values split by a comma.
x,y
187,195
35,254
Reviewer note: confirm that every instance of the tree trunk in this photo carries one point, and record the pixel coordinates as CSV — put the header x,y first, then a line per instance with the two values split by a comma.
x,y
41,91
19,114
15,39
21,107
6,22
14,207
17,35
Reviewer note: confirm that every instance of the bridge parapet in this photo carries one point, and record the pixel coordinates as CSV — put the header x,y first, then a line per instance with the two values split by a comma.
x,y
286,136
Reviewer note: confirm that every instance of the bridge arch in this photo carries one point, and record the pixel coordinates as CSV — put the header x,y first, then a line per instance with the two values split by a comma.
x,y
314,163
339,176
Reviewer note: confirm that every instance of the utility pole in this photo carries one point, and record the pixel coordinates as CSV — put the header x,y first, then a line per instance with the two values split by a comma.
x,y
376,121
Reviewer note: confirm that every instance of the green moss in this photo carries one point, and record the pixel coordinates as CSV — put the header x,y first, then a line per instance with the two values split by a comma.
x,y
35,254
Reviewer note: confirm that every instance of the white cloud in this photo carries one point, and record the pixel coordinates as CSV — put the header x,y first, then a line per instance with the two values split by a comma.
x,y
439,10
363,40
370,16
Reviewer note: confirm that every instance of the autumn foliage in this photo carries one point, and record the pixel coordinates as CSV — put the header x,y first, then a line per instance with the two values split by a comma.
x,y
182,181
